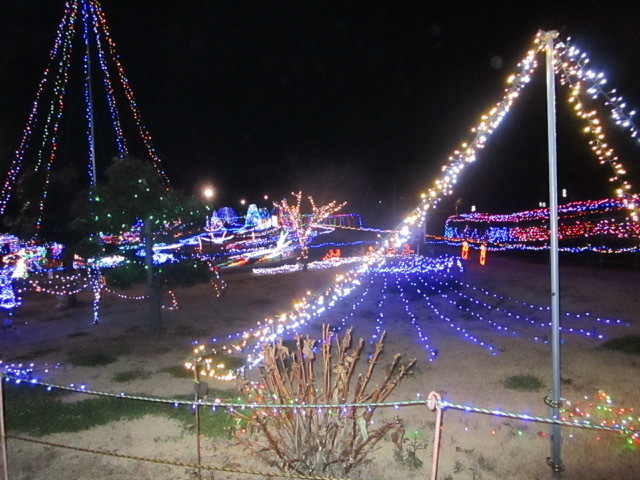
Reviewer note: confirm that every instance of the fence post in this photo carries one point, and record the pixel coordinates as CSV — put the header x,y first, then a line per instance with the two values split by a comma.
x,y
433,403
198,397
3,432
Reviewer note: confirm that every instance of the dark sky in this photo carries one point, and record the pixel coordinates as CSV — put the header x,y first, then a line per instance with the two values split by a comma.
x,y
354,100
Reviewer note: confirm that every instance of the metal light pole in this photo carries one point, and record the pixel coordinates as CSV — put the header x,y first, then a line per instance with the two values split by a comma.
x,y
554,460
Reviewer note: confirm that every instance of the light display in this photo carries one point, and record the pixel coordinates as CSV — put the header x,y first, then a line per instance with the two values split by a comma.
x,y
568,315
421,335
542,324
443,297
344,220
87,18
300,226
464,254
60,284
570,65
604,221
8,298
332,253
436,288
483,254
342,244
601,410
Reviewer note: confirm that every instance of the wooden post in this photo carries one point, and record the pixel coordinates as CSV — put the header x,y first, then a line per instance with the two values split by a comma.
x,y
3,433
196,373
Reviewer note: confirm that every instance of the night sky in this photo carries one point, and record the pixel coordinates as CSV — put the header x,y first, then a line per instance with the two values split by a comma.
x,y
354,100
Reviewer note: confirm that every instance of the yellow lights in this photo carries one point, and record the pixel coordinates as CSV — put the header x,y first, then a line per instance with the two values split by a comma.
x,y
569,66
573,73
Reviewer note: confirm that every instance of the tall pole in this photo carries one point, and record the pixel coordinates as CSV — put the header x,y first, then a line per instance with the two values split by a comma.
x,y
89,96
554,460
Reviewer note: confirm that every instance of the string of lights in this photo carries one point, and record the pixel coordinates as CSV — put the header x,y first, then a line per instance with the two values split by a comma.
x,y
502,299
605,221
465,334
52,88
124,81
90,17
432,353
597,414
51,125
467,152
70,12
570,65
436,240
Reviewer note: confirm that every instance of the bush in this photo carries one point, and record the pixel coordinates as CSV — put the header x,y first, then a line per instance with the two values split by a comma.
x,y
130,375
185,273
317,441
178,371
627,344
125,276
92,360
527,383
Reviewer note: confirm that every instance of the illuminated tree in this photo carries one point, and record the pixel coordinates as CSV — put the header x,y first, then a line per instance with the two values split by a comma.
x,y
134,193
301,226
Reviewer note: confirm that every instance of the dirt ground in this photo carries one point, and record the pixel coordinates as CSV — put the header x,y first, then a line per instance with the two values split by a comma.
x,y
492,306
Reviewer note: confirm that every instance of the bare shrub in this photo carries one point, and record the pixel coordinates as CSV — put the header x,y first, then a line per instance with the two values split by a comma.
x,y
324,439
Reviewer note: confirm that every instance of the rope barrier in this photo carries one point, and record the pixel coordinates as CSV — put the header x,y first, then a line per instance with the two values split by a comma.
x,y
169,462
431,402
531,418
204,403
434,402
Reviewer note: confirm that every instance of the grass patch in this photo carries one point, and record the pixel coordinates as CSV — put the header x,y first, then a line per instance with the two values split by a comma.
x,y
234,363
130,375
213,423
78,334
92,360
230,363
526,383
178,371
626,344
43,352
189,331
35,411
32,410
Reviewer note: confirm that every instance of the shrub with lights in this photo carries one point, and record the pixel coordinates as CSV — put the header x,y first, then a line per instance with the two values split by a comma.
x,y
317,437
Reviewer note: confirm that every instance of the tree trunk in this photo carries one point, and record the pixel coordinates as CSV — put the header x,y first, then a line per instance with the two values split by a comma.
x,y
68,299
153,291
305,258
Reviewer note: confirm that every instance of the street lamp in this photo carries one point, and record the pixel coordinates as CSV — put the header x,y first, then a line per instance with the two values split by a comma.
x,y
208,192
